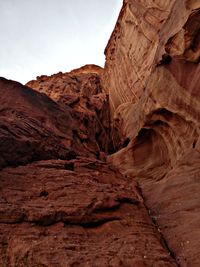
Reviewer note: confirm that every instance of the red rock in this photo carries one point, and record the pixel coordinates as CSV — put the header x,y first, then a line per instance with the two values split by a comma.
x,y
68,212
61,204
152,77
81,89
33,127
91,216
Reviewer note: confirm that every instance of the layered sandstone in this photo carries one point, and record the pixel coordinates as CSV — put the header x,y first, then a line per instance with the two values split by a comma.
x,y
35,127
81,89
61,204
152,77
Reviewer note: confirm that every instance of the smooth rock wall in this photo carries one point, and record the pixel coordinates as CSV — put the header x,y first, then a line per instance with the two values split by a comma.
x,y
152,76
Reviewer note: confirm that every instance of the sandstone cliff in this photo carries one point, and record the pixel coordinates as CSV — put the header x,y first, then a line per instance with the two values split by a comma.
x,y
152,77
101,167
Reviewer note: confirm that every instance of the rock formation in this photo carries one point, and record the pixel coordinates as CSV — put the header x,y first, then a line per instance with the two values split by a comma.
x,y
33,127
75,213
101,167
81,89
152,77
62,204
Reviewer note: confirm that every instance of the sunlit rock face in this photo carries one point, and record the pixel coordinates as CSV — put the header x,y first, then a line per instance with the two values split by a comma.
x,y
81,90
61,202
146,33
152,77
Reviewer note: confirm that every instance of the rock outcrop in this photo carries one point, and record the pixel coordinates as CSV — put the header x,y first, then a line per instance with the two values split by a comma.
x,y
34,127
101,167
75,213
81,89
61,204
152,77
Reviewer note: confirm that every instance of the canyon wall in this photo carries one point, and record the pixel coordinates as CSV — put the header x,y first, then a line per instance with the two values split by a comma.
x,y
61,203
101,167
152,77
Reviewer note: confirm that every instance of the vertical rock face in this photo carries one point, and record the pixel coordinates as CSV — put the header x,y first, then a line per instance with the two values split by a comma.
x,y
81,89
61,203
146,33
152,77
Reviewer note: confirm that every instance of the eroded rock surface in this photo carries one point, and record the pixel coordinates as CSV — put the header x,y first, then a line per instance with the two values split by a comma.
x,y
75,213
35,127
152,76
61,203
64,206
81,89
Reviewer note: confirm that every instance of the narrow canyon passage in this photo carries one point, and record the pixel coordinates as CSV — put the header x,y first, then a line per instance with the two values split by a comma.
x,y
61,203
101,166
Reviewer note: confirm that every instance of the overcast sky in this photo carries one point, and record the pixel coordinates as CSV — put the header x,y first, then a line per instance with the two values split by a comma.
x,y
47,36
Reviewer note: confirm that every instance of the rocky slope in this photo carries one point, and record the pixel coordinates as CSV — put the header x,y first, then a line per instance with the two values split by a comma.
x,y
61,204
75,213
152,77
101,167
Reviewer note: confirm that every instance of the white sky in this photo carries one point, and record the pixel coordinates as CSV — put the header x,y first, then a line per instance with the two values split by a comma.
x,y
47,36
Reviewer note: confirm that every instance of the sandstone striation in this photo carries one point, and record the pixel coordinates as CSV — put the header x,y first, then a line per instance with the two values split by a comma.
x,y
152,77
101,167
35,127
61,204
81,89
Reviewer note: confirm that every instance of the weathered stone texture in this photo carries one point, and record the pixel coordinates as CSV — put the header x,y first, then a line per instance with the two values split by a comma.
x,y
61,203
75,213
152,77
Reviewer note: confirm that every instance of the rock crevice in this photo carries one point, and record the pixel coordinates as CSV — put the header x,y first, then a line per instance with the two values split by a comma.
x,y
100,167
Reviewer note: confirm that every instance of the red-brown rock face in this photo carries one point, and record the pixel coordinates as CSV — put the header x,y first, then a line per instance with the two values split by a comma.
x,y
81,89
34,127
75,213
61,203
152,77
